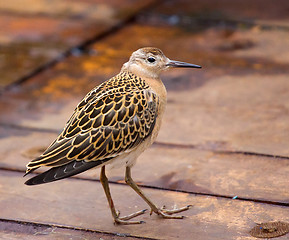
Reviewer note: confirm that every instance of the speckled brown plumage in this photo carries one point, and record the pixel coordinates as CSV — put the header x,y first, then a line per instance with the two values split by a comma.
x,y
113,118
113,124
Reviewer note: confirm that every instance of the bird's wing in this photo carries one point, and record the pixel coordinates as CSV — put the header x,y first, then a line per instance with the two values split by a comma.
x,y
64,171
107,122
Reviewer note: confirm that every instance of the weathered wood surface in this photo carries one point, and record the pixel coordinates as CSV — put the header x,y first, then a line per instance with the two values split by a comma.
x,y
34,33
224,134
82,204
14,229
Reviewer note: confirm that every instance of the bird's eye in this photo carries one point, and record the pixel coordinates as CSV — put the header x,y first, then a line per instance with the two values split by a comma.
x,y
151,59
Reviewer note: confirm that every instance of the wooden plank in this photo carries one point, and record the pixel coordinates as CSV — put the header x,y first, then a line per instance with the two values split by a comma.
x,y
99,10
82,204
32,231
231,113
172,167
227,10
39,40
42,31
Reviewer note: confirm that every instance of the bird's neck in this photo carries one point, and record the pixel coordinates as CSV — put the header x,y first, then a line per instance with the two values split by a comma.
x,y
139,71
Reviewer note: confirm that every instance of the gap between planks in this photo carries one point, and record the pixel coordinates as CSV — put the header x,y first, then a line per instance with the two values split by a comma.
x,y
38,224
284,204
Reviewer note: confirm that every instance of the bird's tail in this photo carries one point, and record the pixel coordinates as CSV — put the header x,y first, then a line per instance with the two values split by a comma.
x,y
67,170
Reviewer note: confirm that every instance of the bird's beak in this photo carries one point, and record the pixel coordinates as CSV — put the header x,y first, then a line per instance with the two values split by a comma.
x,y
176,64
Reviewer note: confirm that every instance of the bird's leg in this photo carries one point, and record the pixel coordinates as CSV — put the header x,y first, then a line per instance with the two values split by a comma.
x,y
115,214
162,212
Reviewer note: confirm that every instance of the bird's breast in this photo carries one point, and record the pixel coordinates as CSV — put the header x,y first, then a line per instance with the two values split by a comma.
x,y
158,88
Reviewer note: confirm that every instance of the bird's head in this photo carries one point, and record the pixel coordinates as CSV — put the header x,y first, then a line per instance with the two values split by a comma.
x,y
150,62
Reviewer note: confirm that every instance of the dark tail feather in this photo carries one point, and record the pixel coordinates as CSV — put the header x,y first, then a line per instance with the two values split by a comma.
x,y
64,171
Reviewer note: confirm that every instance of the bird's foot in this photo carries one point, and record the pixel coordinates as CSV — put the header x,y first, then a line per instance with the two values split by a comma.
x,y
176,210
125,219
165,213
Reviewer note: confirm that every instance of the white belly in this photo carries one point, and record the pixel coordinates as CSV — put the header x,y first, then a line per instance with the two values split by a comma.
x,y
129,158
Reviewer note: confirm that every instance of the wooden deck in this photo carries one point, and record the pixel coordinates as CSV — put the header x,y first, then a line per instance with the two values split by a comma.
x,y
224,142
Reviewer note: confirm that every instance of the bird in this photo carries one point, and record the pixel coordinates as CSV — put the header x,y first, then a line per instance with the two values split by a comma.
x,y
112,125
